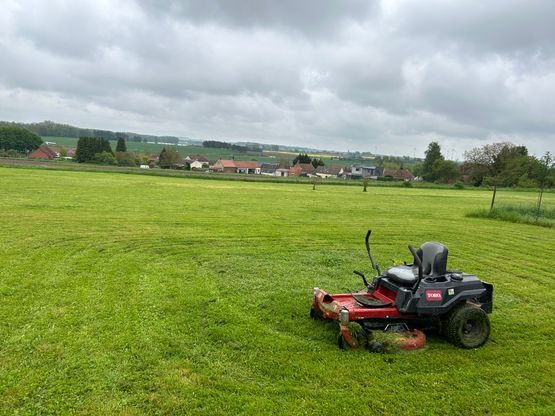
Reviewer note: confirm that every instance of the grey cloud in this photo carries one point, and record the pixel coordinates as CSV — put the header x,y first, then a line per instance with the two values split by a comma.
x,y
508,27
309,17
72,29
352,75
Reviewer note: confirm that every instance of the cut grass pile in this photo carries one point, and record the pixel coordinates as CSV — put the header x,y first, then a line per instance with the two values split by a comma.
x,y
522,214
131,294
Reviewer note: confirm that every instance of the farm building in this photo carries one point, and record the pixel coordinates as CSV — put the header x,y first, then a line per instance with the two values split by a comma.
x,y
302,169
236,166
46,152
372,172
329,171
399,174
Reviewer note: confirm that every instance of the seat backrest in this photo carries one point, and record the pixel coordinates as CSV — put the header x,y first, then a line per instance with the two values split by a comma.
x,y
434,258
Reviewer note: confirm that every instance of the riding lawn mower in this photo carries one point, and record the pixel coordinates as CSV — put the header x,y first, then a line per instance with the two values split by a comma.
x,y
408,298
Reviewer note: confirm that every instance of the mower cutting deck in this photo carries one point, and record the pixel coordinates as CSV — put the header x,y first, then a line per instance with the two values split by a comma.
x,y
421,295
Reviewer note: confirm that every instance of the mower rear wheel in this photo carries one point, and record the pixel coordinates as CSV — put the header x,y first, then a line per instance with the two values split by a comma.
x,y
467,326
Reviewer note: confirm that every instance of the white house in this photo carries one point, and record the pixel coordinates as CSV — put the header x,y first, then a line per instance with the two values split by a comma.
x,y
198,165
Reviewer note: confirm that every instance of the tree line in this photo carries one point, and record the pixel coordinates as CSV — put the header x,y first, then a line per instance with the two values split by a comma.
x,y
99,150
215,144
306,159
498,164
52,129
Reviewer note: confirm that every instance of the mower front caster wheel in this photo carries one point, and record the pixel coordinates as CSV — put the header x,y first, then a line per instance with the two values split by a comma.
x,y
314,314
467,326
342,342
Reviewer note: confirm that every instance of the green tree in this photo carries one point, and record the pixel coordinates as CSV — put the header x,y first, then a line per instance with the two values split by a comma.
x,y
302,158
121,146
497,164
89,147
417,169
433,154
445,171
544,176
168,158
18,139
317,162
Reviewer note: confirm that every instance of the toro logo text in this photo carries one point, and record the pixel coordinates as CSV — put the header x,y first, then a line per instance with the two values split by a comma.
x,y
434,296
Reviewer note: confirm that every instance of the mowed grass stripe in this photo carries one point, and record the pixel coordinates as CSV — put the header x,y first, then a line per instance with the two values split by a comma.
x,y
151,295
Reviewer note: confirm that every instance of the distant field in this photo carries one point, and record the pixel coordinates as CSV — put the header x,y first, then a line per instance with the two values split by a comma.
x,y
210,153
152,148
133,294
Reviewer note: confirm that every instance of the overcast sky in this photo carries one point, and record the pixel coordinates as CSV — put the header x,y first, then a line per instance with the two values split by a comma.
x,y
379,76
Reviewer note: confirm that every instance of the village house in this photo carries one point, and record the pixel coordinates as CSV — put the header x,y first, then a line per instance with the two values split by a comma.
x,y
153,160
70,151
197,162
46,152
198,158
371,172
236,166
302,169
197,165
399,174
268,168
281,172
247,167
329,171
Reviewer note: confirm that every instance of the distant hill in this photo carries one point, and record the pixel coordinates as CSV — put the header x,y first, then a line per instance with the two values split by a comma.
x,y
49,128
52,129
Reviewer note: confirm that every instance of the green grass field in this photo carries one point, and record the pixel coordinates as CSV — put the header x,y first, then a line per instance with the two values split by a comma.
x,y
133,294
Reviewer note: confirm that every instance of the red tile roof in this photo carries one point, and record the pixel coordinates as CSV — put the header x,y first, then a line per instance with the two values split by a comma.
x,y
226,163
45,152
200,158
242,164
399,174
246,164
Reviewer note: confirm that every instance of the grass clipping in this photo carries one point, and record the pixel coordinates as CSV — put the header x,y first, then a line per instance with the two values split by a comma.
x,y
518,214
377,341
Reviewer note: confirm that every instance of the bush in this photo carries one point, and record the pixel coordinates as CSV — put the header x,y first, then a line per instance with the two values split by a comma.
x,y
518,214
407,184
525,182
105,158
458,185
126,159
8,153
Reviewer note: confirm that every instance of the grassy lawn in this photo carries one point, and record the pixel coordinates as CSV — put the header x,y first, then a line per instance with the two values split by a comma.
x,y
133,294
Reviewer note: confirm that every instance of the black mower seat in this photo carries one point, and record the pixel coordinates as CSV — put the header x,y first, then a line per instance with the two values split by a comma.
x,y
434,263
404,275
434,258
